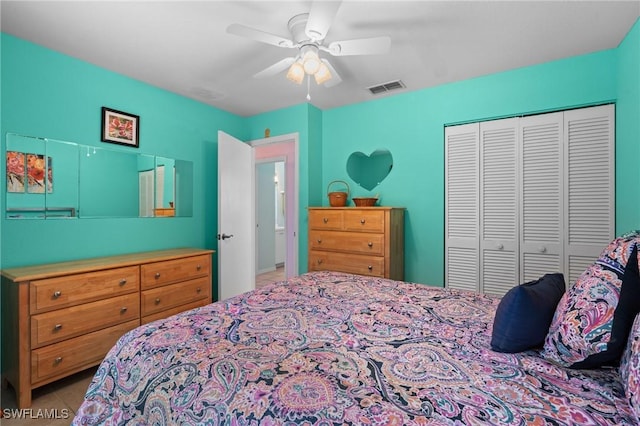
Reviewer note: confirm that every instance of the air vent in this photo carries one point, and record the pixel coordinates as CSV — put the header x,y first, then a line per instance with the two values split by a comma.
x,y
386,87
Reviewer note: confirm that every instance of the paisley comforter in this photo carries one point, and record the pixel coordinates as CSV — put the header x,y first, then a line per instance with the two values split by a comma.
x,y
331,348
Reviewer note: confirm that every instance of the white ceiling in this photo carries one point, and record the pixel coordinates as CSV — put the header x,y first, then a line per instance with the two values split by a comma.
x,y
183,46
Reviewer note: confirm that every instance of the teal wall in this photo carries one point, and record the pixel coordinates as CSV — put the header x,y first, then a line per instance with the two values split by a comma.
x,y
628,133
411,126
306,120
48,94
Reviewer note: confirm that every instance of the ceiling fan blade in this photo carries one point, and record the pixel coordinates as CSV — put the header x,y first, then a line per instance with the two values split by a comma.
x,y
335,77
361,46
320,18
261,36
275,68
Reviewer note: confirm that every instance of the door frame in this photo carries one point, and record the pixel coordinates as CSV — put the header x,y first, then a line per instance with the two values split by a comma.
x,y
292,203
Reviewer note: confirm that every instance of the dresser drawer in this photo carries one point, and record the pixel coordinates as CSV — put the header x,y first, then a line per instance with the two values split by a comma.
x,y
364,243
346,262
325,219
70,290
75,354
165,314
161,273
69,322
163,298
363,220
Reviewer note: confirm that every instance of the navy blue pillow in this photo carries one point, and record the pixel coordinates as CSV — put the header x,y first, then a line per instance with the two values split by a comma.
x,y
525,313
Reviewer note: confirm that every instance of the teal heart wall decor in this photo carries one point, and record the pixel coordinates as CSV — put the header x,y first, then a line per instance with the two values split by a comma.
x,y
369,170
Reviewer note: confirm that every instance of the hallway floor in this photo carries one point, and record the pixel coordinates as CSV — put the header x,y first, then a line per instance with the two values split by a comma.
x,y
269,277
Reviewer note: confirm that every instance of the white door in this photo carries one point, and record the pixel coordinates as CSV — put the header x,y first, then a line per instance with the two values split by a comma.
x,y
236,217
498,206
541,195
145,194
589,207
462,206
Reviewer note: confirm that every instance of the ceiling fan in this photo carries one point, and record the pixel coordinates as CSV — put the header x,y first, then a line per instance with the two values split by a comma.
x,y
308,31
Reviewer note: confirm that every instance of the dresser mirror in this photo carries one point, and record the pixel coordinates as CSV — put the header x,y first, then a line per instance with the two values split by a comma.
x,y
49,179
369,170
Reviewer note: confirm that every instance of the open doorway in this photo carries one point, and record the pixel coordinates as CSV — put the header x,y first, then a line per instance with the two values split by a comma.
x,y
270,222
276,172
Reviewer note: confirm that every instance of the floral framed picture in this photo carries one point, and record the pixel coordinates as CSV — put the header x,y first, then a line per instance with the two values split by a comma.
x,y
16,172
120,127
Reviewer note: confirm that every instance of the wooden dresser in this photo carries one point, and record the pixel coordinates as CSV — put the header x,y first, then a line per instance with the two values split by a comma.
x,y
360,240
58,319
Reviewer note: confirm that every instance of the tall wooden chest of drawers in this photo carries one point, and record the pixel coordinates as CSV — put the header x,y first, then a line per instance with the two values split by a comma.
x,y
360,240
58,319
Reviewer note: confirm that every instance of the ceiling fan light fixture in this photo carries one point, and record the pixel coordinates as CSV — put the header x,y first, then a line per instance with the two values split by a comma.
x,y
310,59
296,73
323,74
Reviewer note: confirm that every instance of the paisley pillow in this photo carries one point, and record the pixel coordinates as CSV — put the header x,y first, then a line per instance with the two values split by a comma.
x,y
630,368
592,321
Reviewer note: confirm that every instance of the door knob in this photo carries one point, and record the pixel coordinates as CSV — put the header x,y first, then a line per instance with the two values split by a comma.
x,y
224,236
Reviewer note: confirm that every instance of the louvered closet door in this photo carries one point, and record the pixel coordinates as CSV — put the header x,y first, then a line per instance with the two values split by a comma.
x,y
589,177
541,195
498,206
461,207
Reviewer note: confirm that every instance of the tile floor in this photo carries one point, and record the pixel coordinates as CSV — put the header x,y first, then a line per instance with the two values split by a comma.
x,y
269,277
67,394
56,399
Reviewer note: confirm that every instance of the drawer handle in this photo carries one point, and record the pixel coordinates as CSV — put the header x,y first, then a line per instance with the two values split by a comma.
x,y
123,281
198,290
157,275
319,241
157,300
57,361
319,261
362,221
57,294
325,220
370,267
123,309
370,244
57,327
198,267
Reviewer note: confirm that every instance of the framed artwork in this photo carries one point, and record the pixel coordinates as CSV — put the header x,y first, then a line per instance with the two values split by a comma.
x,y
120,127
35,174
16,172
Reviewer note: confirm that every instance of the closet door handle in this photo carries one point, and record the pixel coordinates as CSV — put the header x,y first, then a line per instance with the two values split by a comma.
x,y
500,246
542,249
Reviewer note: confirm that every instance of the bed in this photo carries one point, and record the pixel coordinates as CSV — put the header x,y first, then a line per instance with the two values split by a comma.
x,y
334,348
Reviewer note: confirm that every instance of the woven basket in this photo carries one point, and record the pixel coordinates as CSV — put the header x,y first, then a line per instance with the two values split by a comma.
x,y
365,201
338,198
